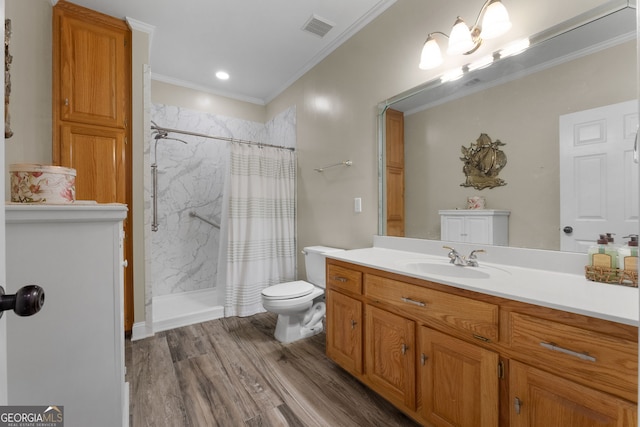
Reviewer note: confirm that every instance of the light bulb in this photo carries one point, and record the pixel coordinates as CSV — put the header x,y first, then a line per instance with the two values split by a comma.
x,y
460,40
431,55
496,20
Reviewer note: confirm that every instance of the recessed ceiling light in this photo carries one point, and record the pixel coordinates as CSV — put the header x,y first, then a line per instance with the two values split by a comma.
x,y
222,75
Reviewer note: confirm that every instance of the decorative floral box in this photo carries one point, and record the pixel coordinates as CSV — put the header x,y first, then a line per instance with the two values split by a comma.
x,y
34,183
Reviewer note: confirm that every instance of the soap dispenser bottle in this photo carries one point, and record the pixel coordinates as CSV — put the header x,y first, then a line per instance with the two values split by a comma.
x,y
628,254
611,242
603,255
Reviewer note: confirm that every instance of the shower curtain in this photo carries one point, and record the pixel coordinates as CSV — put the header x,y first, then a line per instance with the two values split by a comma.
x,y
259,224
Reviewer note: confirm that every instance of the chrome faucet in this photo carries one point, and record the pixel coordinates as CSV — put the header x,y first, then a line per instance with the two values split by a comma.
x,y
457,259
472,259
454,257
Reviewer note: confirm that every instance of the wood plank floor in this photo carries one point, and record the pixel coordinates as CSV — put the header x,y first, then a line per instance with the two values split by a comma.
x,y
232,372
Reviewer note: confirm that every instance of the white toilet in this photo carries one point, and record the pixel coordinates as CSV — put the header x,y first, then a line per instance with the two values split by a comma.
x,y
300,305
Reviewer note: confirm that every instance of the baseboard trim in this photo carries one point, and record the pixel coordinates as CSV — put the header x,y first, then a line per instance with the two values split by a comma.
x,y
140,331
185,308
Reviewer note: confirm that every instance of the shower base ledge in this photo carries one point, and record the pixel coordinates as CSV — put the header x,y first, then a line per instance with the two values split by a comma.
x,y
185,308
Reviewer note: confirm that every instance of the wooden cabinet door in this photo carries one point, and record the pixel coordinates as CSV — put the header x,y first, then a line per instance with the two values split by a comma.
x,y
344,331
98,155
541,399
390,356
91,63
458,381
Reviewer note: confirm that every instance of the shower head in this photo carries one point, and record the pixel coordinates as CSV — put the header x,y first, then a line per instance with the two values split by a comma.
x,y
161,133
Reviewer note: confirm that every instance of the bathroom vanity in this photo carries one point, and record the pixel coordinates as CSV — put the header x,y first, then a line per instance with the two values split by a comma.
x,y
484,346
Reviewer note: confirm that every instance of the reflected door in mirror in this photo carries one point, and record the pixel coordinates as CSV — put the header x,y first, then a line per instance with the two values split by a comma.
x,y
598,177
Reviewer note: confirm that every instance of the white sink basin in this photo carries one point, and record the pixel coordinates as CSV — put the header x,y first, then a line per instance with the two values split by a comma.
x,y
446,269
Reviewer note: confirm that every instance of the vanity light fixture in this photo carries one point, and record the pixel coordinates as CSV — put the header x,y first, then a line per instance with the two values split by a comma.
x,y
465,40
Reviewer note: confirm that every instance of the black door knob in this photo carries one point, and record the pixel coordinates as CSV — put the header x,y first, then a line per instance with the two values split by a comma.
x,y
26,302
568,229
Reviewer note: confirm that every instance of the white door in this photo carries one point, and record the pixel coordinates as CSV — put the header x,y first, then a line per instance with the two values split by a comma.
x,y
3,320
598,177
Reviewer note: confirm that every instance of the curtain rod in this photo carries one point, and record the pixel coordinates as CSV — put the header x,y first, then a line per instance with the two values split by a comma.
x,y
222,138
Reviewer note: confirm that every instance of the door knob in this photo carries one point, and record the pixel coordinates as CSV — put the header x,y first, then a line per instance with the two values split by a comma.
x,y
568,229
26,302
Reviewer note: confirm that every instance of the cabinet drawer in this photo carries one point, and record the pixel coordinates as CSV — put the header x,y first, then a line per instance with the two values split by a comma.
x,y
603,361
478,317
344,279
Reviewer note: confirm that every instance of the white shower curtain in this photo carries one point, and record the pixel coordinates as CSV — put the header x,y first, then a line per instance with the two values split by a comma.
x,y
259,224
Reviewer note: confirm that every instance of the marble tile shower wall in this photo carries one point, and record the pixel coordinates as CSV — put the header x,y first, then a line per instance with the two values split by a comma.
x,y
183,253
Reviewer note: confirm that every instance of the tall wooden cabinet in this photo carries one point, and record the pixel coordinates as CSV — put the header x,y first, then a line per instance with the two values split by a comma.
x,y
92,110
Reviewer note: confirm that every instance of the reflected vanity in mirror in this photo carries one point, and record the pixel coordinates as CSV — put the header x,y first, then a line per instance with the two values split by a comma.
x,y
571,77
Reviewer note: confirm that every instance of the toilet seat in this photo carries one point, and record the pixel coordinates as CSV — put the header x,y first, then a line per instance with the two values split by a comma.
x,y
288,290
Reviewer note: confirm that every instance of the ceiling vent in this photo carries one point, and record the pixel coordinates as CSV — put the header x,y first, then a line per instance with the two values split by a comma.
x,y
318,26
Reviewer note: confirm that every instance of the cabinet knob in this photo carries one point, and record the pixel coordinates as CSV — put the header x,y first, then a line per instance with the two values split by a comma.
x,y
125,263
66,102
353,324
568,229
404,348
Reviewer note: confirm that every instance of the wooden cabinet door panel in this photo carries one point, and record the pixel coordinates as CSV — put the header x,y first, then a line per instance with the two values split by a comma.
x,y
395,202
459,382
541,399
98,156
390,356
588,357
478,318
92,65
344,279
344,331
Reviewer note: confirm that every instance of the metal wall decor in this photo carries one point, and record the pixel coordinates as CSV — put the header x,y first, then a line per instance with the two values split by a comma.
x,y
483,160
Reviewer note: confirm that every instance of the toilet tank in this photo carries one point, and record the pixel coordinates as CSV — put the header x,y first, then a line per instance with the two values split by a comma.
x,y
314,262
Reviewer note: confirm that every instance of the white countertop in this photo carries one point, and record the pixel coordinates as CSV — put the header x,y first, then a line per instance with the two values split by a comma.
x,y
81,211
563,291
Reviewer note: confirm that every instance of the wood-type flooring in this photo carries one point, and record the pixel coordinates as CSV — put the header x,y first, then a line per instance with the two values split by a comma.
x,y
233,373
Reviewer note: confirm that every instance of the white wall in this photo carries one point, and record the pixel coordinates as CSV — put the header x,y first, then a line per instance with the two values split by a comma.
x,y
337,101
30,104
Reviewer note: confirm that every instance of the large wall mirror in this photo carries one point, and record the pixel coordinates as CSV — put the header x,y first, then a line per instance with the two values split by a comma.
x,y
585,65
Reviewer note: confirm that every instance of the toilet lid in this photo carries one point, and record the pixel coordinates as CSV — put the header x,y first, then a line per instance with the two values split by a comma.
x,y
286,290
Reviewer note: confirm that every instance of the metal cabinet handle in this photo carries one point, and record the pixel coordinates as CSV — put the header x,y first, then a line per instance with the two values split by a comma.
x,y
66,102
404,348
517,405
554,347
353,324
340,279
412,301
423,359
